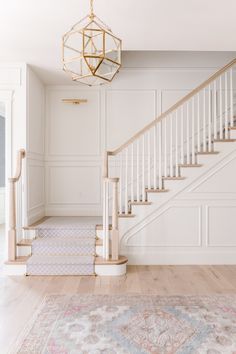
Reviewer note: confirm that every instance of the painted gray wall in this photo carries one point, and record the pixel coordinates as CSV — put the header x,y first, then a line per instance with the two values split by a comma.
x,y
2,151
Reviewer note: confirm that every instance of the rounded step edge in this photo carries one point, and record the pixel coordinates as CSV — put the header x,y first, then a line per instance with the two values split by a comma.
x,y
111,268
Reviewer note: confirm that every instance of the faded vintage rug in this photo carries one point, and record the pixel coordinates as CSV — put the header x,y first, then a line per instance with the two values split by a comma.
x,y
132,324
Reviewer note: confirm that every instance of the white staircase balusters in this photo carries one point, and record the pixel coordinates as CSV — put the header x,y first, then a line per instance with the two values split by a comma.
x,y
231,99
214,107
221,108
165,146
121,184
209,120
160,169
149,159
176,145
182,135
204,121
155,172
193,130
126,200
198,124
226,107
171,145
187,134
138,172
143,169
132,173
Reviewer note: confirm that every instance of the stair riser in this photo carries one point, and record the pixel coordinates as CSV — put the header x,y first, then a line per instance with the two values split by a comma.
x,y
33,233
66,233
102,270
63,249
62,269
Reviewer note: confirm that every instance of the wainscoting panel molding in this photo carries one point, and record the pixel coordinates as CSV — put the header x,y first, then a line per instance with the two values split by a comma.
x,y
187,229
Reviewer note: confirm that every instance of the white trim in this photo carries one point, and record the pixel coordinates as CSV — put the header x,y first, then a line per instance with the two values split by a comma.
x,y
6,97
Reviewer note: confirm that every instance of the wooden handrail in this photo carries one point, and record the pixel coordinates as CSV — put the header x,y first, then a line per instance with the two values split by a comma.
x,y
174,107
12,206
20,157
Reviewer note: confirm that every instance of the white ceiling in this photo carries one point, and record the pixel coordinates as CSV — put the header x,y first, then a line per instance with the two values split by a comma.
x,y
31,30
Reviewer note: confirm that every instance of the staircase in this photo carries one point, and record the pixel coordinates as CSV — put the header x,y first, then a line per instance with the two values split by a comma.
x,y
138,177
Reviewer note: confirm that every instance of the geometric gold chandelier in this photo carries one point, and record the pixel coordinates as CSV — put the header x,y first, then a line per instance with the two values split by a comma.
x,y
91,52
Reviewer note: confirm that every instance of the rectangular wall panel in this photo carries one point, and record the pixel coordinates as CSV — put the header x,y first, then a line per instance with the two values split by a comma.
x,y
174,227
221,226
73,130
127,111
35,185
69,185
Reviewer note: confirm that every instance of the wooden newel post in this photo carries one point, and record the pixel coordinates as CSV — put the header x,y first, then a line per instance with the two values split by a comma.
x,y
12,206
12,221
105,164
115,230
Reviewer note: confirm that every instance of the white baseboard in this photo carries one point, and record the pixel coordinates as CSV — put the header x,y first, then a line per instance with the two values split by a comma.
x,y
34,216
183,258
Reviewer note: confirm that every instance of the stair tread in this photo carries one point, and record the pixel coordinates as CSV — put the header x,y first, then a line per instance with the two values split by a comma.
x,y
207,152
102,261
173,178
25,242
152,190
66,223
190,165
21,260
123,215
224,140
146,202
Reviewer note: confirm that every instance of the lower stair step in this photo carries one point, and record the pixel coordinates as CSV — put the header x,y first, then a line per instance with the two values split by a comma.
x,y
60,265
63,246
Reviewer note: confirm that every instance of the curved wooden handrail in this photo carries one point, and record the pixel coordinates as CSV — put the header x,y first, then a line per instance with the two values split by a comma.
x,y
12,206
20,157
174,107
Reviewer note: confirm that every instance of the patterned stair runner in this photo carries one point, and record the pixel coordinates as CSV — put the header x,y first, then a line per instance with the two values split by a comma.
x,y
64,246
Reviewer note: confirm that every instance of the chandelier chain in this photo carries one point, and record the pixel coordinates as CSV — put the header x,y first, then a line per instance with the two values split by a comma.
x,y
91,8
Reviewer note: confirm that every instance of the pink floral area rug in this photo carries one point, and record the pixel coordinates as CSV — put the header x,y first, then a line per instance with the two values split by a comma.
x,y
132,324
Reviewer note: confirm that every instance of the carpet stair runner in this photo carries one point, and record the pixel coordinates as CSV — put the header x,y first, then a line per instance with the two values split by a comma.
x,y
64,246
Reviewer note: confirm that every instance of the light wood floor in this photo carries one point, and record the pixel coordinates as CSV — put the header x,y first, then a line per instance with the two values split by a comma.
x,y
20,296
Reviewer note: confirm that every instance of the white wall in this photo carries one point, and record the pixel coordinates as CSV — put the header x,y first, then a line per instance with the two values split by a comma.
x,y
196,226
2,205
13,96
35,147
76,136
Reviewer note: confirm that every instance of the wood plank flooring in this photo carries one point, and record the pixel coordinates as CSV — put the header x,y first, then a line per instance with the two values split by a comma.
x,y
20,296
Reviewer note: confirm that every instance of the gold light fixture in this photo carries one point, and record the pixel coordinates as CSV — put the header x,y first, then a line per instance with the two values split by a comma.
x,y
74,100
91,52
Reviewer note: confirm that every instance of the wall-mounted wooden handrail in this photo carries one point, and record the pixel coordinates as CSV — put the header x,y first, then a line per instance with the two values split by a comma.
x,y
12,206
174,107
